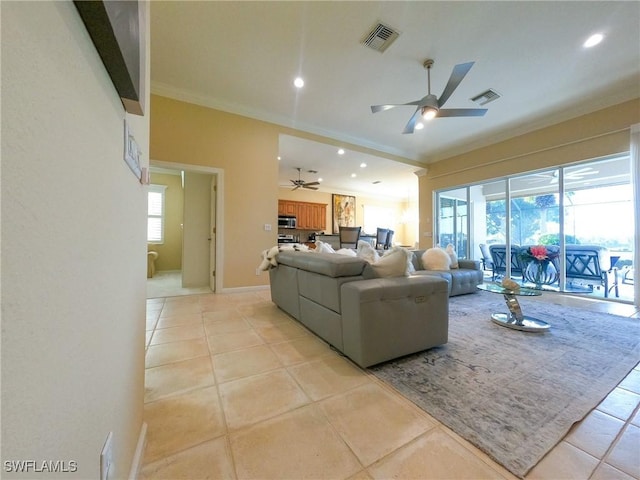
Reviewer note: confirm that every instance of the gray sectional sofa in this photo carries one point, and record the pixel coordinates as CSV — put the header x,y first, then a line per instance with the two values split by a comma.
x,y
370,320
462,280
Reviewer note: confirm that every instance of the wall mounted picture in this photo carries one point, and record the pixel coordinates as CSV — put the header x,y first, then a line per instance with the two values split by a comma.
x,y
344,211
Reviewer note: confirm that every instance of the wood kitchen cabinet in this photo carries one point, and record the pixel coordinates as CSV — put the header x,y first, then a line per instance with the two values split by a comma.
x,y
310,216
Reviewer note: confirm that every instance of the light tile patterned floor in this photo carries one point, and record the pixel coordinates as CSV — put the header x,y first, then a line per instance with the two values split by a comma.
x,y
235,388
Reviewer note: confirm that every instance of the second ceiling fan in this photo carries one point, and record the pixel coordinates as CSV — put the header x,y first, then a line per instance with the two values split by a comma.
x,y
430,106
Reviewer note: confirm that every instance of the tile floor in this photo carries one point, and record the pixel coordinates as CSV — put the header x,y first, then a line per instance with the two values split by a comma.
x,y
235,388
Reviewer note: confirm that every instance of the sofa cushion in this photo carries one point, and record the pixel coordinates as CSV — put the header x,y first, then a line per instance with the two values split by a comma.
x,y
451,251
367,252
436,259
323,247
394,263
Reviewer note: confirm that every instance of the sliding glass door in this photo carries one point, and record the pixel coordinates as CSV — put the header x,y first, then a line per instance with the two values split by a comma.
x,y
570,210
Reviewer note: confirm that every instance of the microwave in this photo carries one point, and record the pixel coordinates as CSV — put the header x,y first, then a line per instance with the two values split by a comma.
x,y
286,221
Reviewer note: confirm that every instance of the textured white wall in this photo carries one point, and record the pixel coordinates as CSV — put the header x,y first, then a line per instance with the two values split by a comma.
x,y
73,249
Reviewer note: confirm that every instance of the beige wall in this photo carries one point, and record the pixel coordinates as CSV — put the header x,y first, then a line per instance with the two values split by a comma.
x,y
597,134
73,249
170,252
246,150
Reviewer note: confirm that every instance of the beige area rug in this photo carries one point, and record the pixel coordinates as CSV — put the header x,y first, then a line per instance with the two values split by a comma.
x,y
515,394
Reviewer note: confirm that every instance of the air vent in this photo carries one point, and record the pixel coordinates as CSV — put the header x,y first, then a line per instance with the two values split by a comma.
x,y
380,37
377,182
486,97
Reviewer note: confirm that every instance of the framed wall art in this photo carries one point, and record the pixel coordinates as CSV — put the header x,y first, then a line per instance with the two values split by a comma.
x,y
344,211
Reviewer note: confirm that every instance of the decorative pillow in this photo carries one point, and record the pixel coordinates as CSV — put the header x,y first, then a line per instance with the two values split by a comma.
x,y
367,252
322,247
436,259
451,251
394,263
349,252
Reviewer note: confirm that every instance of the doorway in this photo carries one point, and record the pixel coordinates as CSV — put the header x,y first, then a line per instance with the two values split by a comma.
x,y
186,256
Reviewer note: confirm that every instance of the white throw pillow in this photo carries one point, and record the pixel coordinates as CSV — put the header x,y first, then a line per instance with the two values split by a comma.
x,y
394,263
322,247
366,252
436,259
451,251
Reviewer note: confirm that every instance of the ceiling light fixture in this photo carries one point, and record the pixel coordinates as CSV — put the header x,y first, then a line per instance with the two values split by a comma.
x,y
593,40
341,151
353,175
429,113
363,165
298,82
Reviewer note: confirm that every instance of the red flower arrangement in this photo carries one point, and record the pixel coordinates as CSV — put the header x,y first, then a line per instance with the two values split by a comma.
x,y
538,254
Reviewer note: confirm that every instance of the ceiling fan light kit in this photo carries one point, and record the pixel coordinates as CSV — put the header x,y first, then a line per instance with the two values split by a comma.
x,y
430,106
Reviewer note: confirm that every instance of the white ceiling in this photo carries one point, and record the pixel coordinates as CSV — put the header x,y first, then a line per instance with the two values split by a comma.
x,y
242,57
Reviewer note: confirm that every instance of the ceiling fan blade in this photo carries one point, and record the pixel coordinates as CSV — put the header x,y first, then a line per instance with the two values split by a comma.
x,y
458,73
461,112
310,188
411,125
382,108
295,188
311,183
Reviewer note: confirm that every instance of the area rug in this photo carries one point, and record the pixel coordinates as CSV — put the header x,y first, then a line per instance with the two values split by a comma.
x,y
516,394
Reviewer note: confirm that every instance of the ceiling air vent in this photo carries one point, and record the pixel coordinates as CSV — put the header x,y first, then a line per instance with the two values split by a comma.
x,y
486,97
381,37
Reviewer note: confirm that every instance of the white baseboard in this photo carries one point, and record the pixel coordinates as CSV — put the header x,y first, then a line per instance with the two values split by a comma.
x,y
256,288
137,457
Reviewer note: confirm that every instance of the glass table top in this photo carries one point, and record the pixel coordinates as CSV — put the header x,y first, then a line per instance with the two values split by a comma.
x,y
497,288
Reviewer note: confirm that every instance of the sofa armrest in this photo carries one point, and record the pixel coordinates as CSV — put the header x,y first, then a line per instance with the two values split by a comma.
x,y
386,318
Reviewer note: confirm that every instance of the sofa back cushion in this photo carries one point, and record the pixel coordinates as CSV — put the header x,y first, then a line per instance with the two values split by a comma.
x,y
328,264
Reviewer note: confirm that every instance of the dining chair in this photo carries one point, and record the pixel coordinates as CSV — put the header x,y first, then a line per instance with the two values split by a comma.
x,y
381,238
349,236
389,243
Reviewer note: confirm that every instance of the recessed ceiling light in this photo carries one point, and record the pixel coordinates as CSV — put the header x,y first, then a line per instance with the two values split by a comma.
x,y
363,165
419,126
593,40
341,151
320,179
279,158
353,175
298,82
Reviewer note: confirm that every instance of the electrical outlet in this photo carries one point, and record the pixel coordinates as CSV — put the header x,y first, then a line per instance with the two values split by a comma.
x,y
106,458
267,227
258,271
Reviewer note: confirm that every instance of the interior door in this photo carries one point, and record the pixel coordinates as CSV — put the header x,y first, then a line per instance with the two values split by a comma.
x,y
196,231
212,233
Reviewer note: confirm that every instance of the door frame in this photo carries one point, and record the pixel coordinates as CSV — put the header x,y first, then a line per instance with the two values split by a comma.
x,y
219,209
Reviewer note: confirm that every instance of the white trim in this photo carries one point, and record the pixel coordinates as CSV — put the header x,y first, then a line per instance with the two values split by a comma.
x,y
136,463
219,210
255,288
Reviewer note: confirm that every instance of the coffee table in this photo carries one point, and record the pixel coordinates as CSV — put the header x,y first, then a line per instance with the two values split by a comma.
x,y
515,319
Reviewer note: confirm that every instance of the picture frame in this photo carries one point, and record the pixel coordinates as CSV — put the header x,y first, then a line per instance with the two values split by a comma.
x,y
343,211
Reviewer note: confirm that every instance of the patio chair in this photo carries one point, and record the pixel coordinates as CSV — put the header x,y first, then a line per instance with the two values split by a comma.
x,y
487,263
499,259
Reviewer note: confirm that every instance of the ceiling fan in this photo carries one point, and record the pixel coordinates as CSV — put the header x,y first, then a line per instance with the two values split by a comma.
x,y
430,106
301,183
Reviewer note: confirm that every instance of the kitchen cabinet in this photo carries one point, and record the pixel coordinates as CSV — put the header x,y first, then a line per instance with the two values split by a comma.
x,y
310,216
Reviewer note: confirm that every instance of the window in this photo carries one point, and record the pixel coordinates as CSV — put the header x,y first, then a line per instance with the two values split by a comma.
x,y
155,214
375,217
